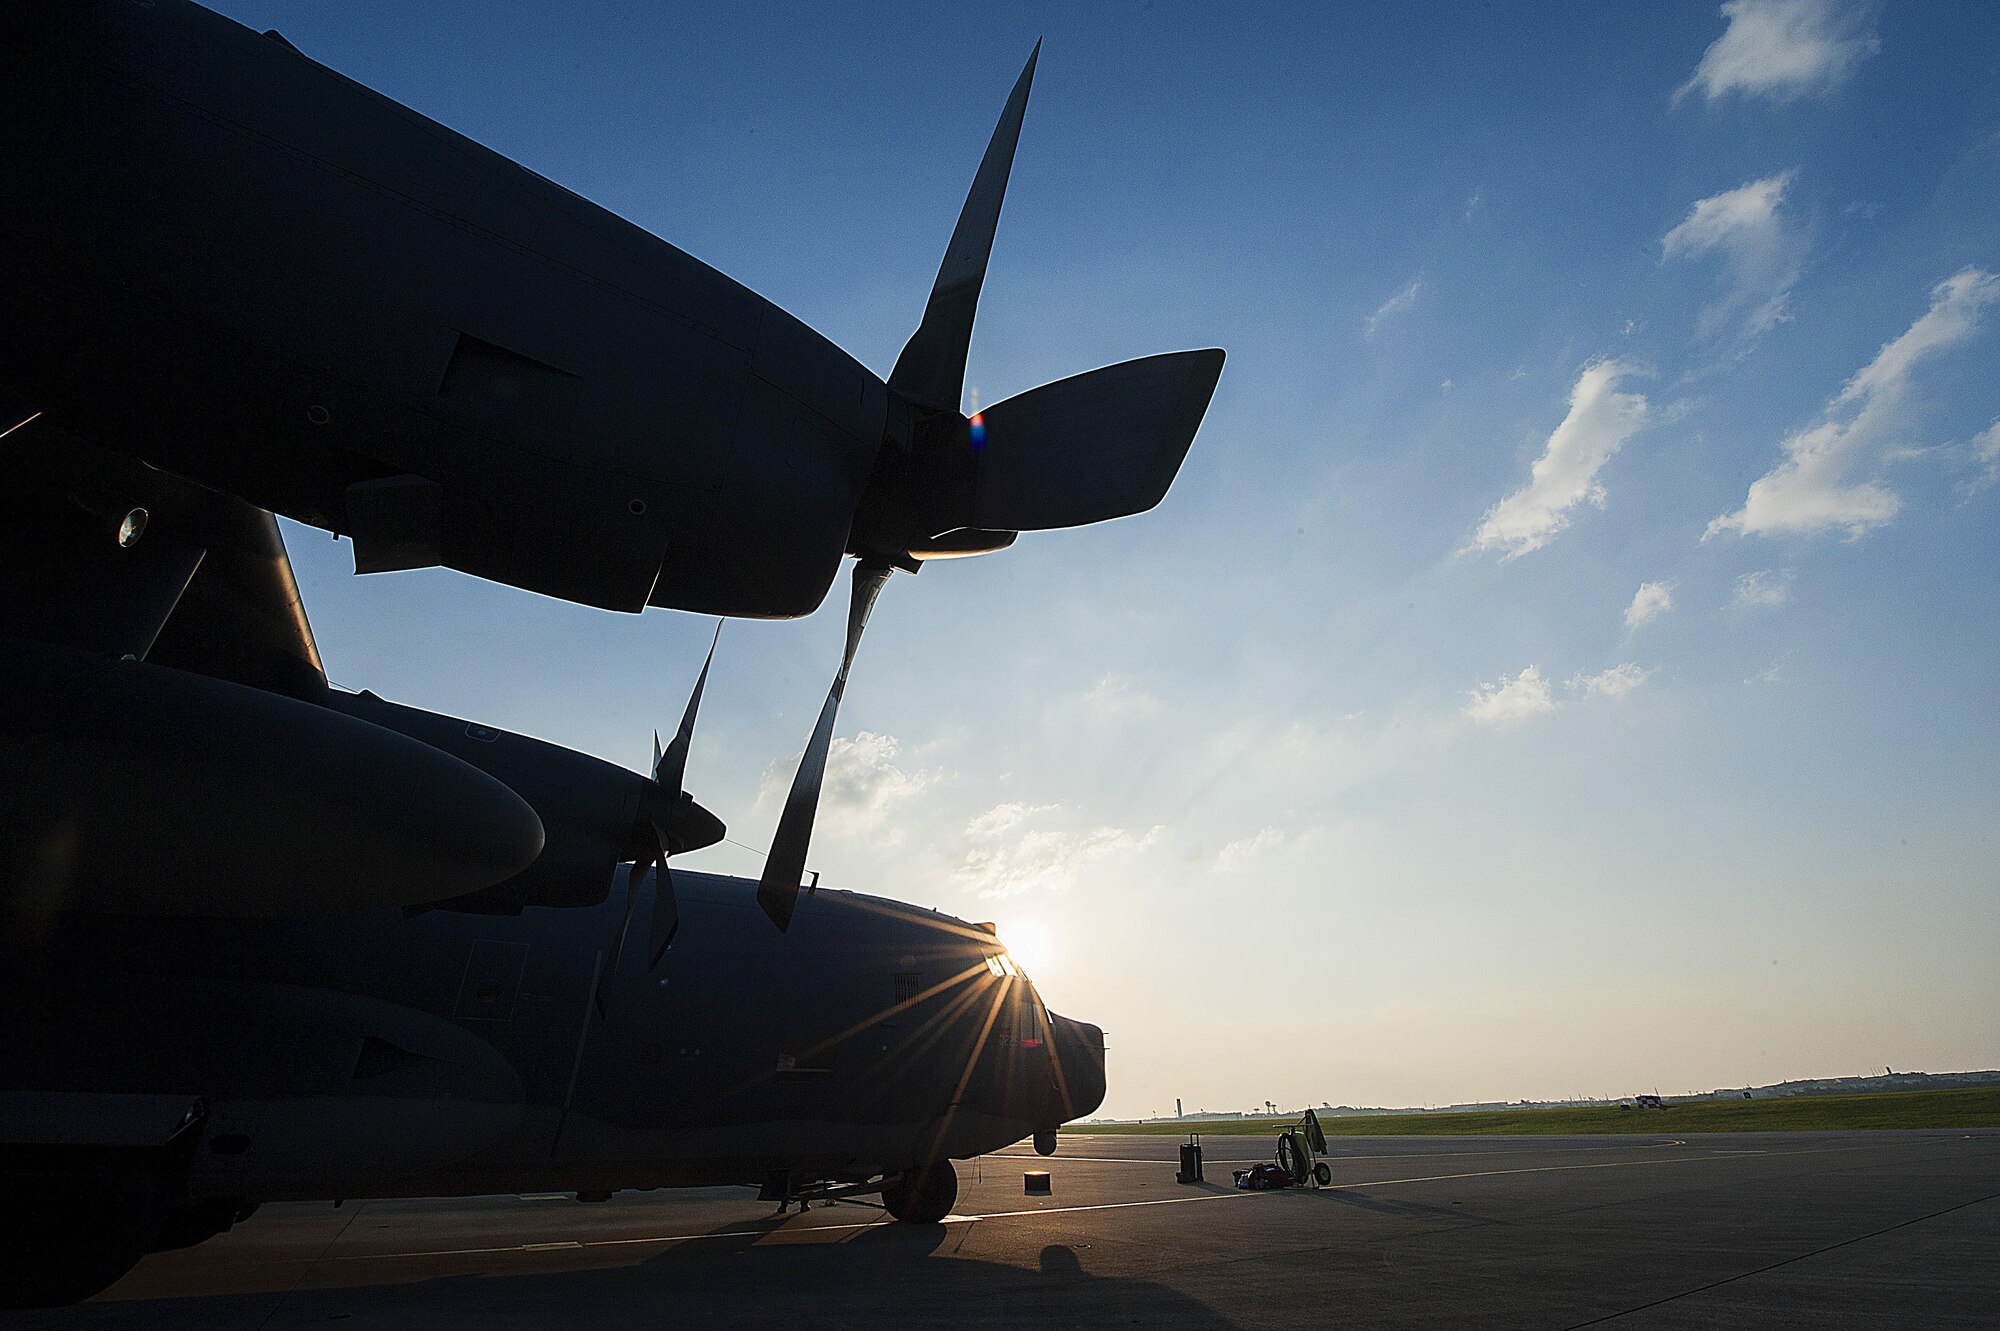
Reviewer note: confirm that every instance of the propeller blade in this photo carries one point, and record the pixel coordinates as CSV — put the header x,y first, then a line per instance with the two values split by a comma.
x,y
610,971
669,820
778,889
670,766
666,920
931,370
1100,445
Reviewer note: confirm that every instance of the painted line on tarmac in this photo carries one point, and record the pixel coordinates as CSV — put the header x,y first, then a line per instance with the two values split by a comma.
x,y
1265,1159
1130,1160
1689,1157
1233,1195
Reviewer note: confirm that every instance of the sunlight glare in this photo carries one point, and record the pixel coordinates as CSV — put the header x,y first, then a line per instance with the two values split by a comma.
x,y
1029,943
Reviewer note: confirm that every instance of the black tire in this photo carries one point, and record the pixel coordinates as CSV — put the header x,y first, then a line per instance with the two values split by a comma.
x,y
199,1222
1289,1158
922,1196
67,1238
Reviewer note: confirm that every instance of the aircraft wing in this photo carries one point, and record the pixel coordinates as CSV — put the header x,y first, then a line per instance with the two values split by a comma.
x,y
179,751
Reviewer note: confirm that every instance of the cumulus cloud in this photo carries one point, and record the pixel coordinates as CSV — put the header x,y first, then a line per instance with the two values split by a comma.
x,y
1827,481
1652,600
1765,589
1782,49
1242,853
1007,857
1002,819
863,784
1616,682
1761,255
1506,701
1599,422
1395,305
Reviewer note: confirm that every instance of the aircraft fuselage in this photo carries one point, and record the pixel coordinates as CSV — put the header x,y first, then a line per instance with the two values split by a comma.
x,y
371,1054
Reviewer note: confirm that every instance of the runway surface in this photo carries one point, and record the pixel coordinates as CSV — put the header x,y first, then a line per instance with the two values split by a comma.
x,y
1792,1229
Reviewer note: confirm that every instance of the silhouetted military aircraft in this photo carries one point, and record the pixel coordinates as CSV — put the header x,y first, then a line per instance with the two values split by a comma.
x,y
267,939
226,262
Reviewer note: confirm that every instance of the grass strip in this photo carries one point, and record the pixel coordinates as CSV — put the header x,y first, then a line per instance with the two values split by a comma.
x,y
1977,1107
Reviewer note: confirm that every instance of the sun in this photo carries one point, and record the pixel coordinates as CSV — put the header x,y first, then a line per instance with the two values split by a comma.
x,y
1029,943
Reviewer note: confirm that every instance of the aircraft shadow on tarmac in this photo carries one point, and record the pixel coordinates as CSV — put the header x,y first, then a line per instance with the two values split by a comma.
x,y
887,1274
1408,1210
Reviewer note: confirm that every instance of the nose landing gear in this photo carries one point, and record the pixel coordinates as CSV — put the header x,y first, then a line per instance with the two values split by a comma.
x,y
922,1196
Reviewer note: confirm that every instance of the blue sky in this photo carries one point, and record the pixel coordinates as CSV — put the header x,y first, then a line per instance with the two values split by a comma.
x,y
1566,662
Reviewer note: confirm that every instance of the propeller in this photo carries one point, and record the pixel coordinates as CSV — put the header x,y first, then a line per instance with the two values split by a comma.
x,y
931,370
1084,449
669,823
778,889
1095,446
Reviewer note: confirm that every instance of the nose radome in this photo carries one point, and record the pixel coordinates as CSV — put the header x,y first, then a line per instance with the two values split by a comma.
x,y
1079,1051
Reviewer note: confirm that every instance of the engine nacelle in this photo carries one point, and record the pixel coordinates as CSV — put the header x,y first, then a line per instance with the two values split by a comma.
x,y
129,787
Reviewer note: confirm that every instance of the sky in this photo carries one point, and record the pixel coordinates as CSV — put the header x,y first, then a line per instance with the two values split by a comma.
x,y
1565,664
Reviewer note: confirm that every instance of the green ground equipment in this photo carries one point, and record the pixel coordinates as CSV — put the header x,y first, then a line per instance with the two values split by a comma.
x,y
1299,1152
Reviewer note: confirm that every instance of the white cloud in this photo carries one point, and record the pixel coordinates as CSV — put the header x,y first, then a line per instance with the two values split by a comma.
x,y
1815,489
1763,590
1986,452
1783,48
1616,682
1117,694
1761,255
1652,600
863,785
1242,853
1396,304
1006,860
1770,674
1003,818
1508,700
1599,422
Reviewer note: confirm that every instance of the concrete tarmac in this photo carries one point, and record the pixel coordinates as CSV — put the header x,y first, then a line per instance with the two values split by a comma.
x,y
1882,1229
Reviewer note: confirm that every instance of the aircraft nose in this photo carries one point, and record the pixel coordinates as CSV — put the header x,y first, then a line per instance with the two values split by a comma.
x,y
1079,1060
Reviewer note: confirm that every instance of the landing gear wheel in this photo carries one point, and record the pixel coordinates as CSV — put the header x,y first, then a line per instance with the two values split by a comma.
x,y
188,1225
923,1196
67,1238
